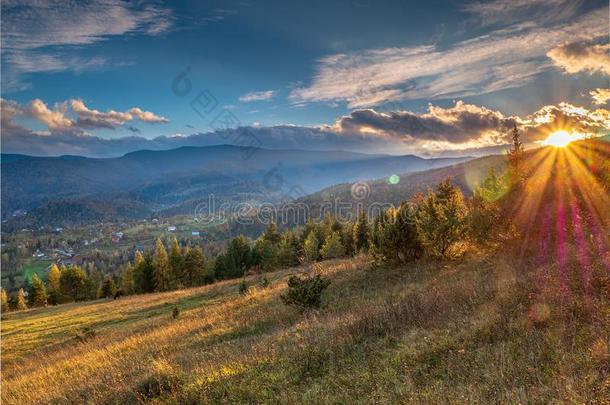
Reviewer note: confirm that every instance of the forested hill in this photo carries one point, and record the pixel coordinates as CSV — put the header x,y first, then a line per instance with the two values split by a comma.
x,y
147,181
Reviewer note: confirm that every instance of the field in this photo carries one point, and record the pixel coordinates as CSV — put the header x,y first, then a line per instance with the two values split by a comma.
x,y
485,329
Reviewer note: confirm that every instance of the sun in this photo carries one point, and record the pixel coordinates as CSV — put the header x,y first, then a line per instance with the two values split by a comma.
x,y
560,138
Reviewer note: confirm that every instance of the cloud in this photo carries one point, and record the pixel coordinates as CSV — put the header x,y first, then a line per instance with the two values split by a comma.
x,y
37,36
582,56
147,116
467,127
257,96
463,129
600,96
70,117
500,59
458,124
511,11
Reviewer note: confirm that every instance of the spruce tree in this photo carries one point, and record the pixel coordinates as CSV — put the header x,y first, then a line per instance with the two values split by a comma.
x,y
194,267
38,292
162,274
127,280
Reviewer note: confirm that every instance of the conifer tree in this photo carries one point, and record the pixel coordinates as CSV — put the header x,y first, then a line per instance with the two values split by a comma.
x,y
162,274
20,304
516,154
54,287
38,292
441,219
194,267
333,247
361,233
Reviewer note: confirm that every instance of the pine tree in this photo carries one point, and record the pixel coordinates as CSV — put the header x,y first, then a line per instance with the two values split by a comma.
x,y
516,155
176,262
162,274
3,300
441,219
21,305
361,233
333,247
54,287
38,292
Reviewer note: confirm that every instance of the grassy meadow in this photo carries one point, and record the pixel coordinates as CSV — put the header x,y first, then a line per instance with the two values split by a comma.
x,y
484,328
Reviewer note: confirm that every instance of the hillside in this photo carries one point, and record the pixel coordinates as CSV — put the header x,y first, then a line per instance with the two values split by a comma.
x,y
174,181
480,329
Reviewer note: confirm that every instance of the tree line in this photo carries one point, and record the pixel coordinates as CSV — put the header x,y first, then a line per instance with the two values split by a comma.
x,y
433,225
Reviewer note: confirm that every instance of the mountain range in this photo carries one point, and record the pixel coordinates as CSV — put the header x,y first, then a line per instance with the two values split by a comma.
x,y
75,189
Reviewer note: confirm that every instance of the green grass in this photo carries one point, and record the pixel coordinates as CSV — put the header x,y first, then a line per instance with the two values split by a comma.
x,y
432,332
37,267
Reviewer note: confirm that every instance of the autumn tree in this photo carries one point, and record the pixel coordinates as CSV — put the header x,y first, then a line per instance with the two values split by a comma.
x,y
176,261
20,303
54,286
3,300
162,273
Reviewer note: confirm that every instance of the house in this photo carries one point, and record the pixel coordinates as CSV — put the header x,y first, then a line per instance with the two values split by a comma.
x,y
171,228
195,233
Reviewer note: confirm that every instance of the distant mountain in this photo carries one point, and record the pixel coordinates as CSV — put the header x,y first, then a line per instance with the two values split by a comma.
x,y
465,175
175,181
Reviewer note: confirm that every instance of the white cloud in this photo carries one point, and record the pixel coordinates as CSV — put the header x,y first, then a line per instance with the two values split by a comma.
x,y
37,35
600,96
510,11
582,56
71,117
499,60
257,96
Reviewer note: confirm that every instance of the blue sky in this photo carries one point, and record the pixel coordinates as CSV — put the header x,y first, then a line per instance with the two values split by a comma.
x,y
306,64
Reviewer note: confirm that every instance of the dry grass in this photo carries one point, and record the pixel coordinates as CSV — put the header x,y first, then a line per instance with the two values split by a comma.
x,y
482,330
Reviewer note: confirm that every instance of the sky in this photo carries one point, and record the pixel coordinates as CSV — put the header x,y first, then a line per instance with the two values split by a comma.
x,y
433,78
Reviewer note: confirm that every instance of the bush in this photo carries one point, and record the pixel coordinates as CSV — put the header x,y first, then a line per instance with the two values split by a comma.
x,y
243,287
159,384
305,293
175,312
